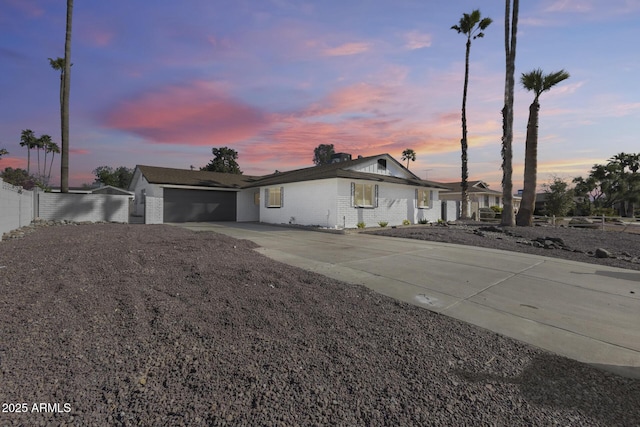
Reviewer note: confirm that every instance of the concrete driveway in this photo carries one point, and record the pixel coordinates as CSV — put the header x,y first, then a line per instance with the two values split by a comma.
x,y
586,312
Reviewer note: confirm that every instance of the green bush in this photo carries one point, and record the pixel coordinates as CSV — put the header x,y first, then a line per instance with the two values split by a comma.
x,y
406,222
361,224
423,221
383,223
604,211
496,209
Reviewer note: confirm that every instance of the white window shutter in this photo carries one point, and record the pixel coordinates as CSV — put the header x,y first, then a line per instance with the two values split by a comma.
x,y
266,197
281,197
430,198
353,194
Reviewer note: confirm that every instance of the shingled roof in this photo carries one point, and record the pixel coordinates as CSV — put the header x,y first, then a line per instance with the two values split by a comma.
x,y
338,170
170,176
158,175
473,187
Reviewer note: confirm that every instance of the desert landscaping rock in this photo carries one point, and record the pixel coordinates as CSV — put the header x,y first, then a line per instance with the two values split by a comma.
x,y
603,253
158,325
576,244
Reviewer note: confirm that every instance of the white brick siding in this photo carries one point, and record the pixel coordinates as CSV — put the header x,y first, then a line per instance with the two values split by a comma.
x,y
154,210
328,203
396,203
308,203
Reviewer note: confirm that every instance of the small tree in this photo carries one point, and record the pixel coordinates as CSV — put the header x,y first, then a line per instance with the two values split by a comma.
x,y
224,160
20,178
120,177
559,197
3,152
322,154
409,155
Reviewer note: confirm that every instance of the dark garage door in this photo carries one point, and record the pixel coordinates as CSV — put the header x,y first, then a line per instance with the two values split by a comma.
x,y
199,205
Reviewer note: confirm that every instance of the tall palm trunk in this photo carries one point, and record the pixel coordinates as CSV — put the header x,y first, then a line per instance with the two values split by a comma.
x,y
38,152
53,154
510,38
64,163
527,206
28,160
463,142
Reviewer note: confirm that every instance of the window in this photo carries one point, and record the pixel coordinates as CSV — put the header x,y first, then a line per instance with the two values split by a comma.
x,y
364,195
382,165
486,201
497,201
424,198
273,197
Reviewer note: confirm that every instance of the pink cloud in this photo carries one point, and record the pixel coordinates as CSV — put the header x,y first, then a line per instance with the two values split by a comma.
x,y
28,7
79,151
347,49
417,40
100,38
198,113
12,162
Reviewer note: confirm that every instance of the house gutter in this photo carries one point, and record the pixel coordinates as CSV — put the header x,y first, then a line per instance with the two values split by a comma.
x,y
197,187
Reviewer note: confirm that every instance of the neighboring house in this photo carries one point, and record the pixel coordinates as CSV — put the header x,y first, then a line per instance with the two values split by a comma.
x,y
338,195
110,189
480,196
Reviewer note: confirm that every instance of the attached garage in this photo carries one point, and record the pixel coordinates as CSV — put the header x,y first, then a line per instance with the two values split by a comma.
x,y
182,205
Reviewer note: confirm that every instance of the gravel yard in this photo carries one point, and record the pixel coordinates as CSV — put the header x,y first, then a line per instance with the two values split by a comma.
x,y
156,325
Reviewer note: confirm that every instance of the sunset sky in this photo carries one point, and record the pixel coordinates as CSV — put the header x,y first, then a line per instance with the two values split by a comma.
x,y
160,83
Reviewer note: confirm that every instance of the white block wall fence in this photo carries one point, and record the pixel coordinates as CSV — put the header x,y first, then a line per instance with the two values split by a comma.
x,y
83,207
17,207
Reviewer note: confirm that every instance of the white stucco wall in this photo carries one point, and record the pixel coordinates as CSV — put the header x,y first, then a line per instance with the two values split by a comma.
x,y
151,190
395,204
247,209
308,203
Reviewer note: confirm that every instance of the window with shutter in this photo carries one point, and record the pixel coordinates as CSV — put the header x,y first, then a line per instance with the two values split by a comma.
x,y
425,198
364,195
273,197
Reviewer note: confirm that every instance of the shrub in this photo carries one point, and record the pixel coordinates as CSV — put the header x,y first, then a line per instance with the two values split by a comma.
x,y
361,225
487,213
406,222
423,221
496,209
604,211
383,223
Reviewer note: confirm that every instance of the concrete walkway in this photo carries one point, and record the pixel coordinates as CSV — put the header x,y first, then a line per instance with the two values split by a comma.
x,y
586,312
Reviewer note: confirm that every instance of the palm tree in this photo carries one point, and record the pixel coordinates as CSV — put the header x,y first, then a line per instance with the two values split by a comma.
x,y
53,149
537,82
39,144
471,25
409,155
66,84
28,139
510,38
3,152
